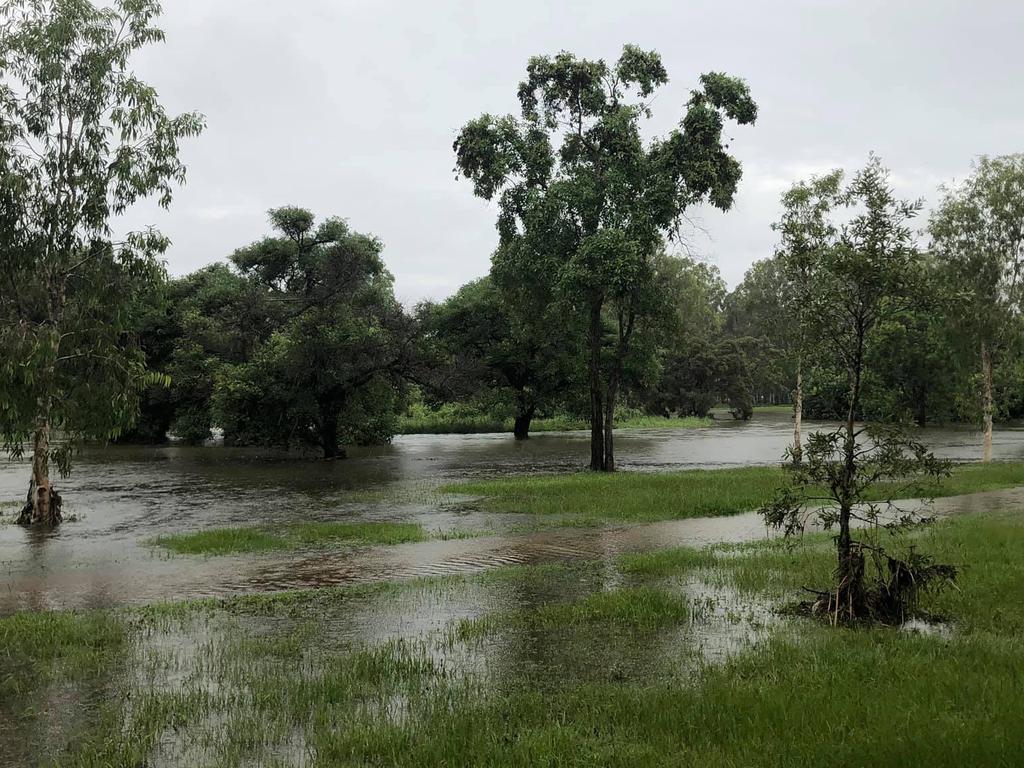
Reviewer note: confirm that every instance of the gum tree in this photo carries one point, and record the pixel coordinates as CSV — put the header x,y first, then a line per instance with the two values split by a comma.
x,y
81,140
804,229
585,202
978,235
861,282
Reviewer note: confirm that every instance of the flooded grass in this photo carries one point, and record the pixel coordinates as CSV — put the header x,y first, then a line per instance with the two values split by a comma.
x,y
598,663
630,607
223,541
646,497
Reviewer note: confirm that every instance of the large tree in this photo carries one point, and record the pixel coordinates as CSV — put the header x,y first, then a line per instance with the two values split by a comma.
x,y
978,234
330,371
81,140
585,202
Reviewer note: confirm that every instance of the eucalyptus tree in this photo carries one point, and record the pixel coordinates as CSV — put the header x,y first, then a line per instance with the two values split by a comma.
x,y
860,282
81,140
331,370
585,202
978,234
805,230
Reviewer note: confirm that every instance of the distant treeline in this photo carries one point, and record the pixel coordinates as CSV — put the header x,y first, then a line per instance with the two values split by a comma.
x,y
299,340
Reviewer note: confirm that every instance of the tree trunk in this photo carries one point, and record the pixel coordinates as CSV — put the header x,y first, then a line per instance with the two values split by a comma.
x,y
609,419
798,413
921,410
596,394
329,439
43,503
986,402
848,598
521,428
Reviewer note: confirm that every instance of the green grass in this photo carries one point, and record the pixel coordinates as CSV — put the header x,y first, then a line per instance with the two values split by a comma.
x,y
636,607
454,419
645,497
224,541
34,644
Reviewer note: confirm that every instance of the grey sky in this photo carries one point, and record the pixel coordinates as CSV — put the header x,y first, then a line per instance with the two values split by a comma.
x,y
350,108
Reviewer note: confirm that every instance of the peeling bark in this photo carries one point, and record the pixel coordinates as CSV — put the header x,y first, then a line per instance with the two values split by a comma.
x,y
43,503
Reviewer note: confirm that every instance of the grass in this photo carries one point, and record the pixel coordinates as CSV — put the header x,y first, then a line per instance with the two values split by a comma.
x,y
636,607
259,690
225,541
32,645
455,419
645,497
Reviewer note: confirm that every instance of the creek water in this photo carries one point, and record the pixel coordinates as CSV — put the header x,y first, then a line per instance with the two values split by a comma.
x,y
122,497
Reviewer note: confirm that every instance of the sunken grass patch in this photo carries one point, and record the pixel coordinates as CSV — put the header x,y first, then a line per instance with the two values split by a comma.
x,y
451,419
646,497
224,541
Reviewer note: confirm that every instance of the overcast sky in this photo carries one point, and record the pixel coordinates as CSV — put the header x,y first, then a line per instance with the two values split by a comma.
x,y
350,107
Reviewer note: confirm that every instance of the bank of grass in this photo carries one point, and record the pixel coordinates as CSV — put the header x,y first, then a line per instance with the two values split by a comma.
x,y
225,541
646,497
460,420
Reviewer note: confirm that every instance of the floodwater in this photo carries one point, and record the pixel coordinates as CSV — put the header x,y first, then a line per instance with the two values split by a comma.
x,y
124,496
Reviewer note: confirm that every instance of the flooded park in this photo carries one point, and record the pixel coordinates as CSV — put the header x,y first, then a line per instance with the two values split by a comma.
x,y
521,385
248,658
123,498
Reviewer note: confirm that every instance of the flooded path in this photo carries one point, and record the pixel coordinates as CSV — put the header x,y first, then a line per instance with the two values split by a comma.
x,y
125,496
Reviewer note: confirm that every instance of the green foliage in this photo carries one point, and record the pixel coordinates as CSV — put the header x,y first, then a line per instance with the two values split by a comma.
x,y
490,350
863,274
81,140
330,370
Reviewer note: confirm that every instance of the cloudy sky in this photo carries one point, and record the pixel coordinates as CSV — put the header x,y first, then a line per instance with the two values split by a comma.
x,y
350,107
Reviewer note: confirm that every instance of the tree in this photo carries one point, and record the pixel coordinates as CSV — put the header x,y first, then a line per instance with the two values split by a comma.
x,y
331,370
591,214
208,321
81,139
860,283
490,350
978,234
804,229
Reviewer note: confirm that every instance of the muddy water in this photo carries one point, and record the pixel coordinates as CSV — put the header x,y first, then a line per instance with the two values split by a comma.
x,y
124,496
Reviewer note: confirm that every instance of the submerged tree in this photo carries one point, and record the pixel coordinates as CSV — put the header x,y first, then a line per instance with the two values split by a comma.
x,y
978,234
329,372
860,282
585,202
81,139
491,351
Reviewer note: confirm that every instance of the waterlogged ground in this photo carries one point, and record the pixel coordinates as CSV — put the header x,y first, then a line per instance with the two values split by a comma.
x,y
125,497
501,639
